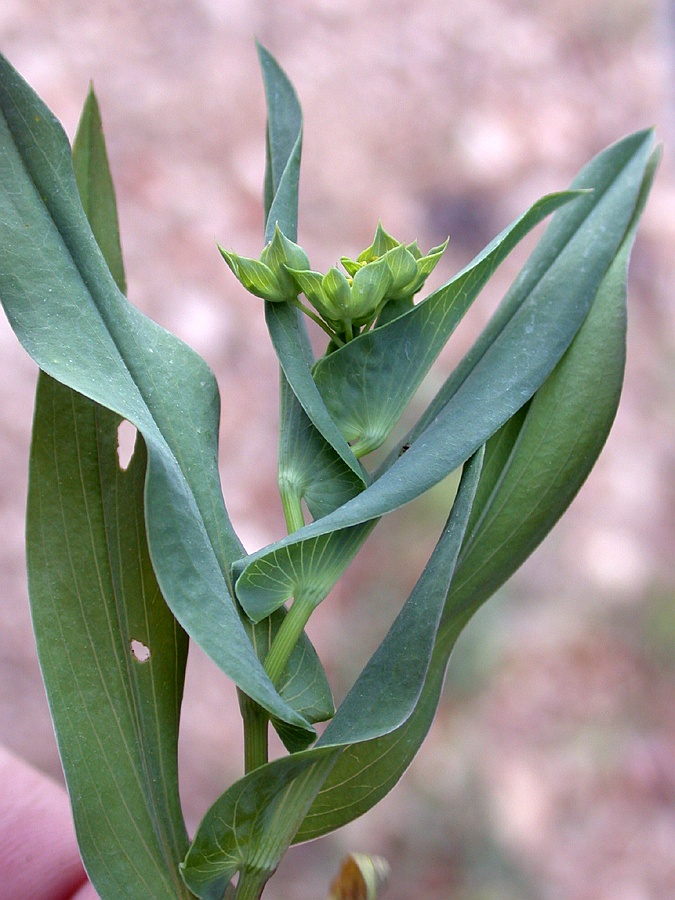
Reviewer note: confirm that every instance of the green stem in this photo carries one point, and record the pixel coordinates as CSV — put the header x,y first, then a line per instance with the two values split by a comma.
x,y
319,321
250,885
255,721
292,508
287,637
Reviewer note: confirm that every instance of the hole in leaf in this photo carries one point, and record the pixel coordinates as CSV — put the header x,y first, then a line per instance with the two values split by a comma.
x,y
140,651
126,442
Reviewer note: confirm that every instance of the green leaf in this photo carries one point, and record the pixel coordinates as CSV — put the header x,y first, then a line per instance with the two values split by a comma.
x,y
532,470
367,384
291,344
285,573
97,611
537,462
520,347
71,318
284,149
95,187
112,655
386,692
309,469
366,772
249,828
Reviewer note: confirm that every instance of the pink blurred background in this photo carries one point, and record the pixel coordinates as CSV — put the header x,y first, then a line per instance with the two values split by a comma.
x,y
550,771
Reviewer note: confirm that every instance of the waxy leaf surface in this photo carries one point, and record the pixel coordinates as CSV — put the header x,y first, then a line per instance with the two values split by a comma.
x,y
315,463
533,467
71,317
519,348
252,824
97,613
112,654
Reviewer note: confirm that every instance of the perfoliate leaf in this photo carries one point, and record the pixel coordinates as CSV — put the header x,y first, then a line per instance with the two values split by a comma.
x,y
249,828
285,323
237,834
285,574
309,469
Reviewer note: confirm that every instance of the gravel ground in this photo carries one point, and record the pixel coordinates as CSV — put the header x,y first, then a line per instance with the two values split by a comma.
x,y
550,771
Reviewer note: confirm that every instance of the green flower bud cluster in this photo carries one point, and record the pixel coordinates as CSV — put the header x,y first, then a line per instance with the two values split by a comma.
x,y
344,304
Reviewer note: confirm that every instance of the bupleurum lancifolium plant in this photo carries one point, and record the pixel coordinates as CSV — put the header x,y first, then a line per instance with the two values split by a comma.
x,y
125,565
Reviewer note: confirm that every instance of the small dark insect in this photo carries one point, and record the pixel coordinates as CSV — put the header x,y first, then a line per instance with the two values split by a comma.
x,y
403,449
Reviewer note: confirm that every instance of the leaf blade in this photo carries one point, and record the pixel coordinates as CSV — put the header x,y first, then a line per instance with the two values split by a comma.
x,y
549,455
576,405
518,350
67,311
384,696
93,593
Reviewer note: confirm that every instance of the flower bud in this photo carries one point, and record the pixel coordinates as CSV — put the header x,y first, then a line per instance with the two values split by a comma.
x,y
282,254
370,286
268,277
425,264
403,268
311,285
338,293
409,268
383,242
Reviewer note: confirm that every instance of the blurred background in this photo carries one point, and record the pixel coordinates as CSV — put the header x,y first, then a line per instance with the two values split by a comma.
x,y
550,770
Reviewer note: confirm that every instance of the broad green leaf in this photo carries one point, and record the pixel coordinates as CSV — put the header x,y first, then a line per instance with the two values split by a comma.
x,y
520,347
291,344
86,516
542,461
315,462
70,316
309,573
366,772
532,470
97,613
386,692
250,827
367,383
